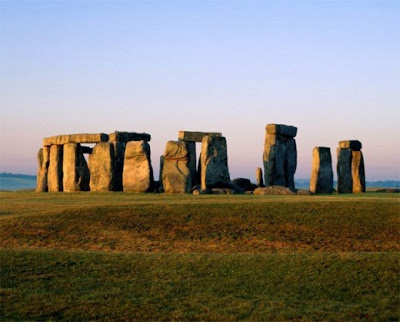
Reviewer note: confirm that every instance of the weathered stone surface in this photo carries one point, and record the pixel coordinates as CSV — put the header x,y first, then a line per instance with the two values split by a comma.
x,y
273,190
102,167
75,170
138,173
321,173
259,178
176,175
350,144
290,163
43,158
345,179
55,173
243,183
358,172
274,160
119,156
192,161
190,136
214,162
281,129
302,192
128,136
75,138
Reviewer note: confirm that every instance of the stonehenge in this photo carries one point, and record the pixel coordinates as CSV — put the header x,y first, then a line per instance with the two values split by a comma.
x,y
121,161
321,173
280,155
350,167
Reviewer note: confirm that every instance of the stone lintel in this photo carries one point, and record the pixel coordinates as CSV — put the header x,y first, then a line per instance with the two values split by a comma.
x,y
355,145
128,136
281,129
75,138
195,136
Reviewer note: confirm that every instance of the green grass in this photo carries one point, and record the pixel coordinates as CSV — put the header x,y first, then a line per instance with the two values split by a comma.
x,y
117,256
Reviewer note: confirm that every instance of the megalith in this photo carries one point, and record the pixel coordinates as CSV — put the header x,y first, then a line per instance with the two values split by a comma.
x,y
119,157
214,163
137,173
176,175
280,155
350,167
55,173
321,173
102,163
76,174
43,165
259,178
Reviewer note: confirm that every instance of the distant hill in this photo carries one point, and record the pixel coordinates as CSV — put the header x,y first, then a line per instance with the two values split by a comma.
x,y
12,182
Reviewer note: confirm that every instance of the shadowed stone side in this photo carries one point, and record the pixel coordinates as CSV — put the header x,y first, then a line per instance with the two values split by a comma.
x,y
102,163
176,175
75,170
119,156
128,136
290,163
161,170
55,173
192,161
355,145
345,179
190,136
281,129
43,165
259,178
138,173
321,174
358,172
214,163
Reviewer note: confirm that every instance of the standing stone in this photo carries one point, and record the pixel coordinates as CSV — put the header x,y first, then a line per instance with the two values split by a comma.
x,y
290,163
102,163
259,178
214,163
358,172
176,175
161,170
321,173
138,173
55,174
274,160
43,163
345,179
280,155
76,174
119,156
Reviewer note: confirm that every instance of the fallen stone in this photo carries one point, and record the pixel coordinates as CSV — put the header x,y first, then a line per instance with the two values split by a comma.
x,y
281,129
321,173
102,161
243,183
358,172
273,190
55,172
259,178
350,144
138,173
345,178
302,192
75,138
214,162
128,136
43,158
218,191
76,174
249,192
190,136
176,175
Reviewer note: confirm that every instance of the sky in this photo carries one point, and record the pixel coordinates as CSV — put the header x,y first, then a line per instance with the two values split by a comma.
x,y
331,68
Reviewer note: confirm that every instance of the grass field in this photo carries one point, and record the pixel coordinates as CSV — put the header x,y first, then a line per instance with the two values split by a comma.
x,y
117,256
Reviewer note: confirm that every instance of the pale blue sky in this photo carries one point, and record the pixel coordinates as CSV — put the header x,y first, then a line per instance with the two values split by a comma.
x,y
331,68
